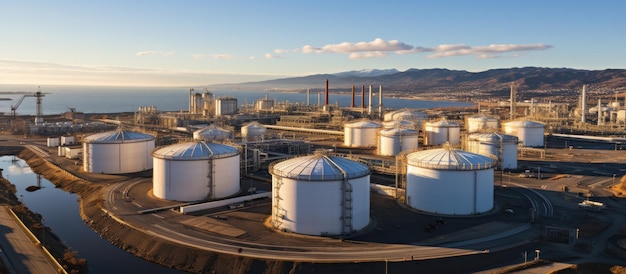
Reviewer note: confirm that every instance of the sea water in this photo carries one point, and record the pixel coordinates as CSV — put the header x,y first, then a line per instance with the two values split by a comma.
x,y
59,99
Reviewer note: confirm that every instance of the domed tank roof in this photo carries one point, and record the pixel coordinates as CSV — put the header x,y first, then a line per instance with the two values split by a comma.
x,y
524,124
449,159
398,123
398,132
211,132
363,124
409,114
493,137
319,167
118,137
254,125
199,150
482,118
443,123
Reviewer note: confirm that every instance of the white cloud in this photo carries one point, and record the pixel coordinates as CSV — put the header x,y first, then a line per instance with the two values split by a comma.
x,y
490,51
198,56
252,57
381,48
281,51
154,52
272,56
222,56
39,73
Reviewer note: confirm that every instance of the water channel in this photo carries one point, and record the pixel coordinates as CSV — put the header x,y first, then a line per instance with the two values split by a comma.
x,y
60,211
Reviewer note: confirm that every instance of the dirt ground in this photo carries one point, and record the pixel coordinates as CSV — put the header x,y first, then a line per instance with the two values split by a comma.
x,y
89,188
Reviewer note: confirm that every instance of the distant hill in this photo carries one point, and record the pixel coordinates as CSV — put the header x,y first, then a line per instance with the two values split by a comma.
x,y
416,81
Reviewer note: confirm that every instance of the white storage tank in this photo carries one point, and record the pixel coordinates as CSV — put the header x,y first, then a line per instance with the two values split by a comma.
x,y
253,131
117,152
53,141
399,124
498,145
481,123
407,114
225,106
320,195
448,181
195,171
441,132
212,133
392,141
530,133
361,134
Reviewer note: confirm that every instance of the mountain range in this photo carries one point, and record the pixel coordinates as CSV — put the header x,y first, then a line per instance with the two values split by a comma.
x,y
418,81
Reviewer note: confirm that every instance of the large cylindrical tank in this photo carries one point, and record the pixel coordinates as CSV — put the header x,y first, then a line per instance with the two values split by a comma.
x,y
360,134
195,171
320,195
447,181
441,132
117,152
399,124
212,133
392,141
498,145
530,133
481,123
208,99
225,106
253,131
407,114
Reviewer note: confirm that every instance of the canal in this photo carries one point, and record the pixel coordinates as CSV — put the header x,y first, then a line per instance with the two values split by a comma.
x,y
60,211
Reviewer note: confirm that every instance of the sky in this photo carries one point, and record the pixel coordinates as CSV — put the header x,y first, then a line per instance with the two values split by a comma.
x,y
203,42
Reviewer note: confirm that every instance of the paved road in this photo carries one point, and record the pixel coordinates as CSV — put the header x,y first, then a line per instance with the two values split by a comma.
x,y
22,254
156,225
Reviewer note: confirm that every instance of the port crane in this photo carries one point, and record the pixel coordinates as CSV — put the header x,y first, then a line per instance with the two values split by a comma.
x,y
38,95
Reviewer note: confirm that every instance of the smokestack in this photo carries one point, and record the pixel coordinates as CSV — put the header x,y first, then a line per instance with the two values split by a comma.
x,y
380,100
319,98
363,96
513,100
599,111
308,96
583,103
369,104
191,101
352,105
326,102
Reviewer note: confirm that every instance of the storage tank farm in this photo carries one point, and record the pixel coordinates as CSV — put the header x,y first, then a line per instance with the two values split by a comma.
x,y
320,195
449,181
530,134
481,123
212,133
442,132
394,140
195,171
361,133
494,144
117,152
414,116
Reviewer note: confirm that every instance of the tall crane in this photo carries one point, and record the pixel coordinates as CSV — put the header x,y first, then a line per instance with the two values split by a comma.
x,y
38,95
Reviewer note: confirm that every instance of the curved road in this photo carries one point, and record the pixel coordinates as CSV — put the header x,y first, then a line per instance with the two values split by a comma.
x,y
156,226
